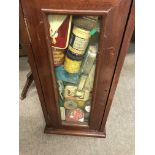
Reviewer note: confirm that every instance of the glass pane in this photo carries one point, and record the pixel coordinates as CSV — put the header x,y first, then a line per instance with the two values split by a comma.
x,y
74,43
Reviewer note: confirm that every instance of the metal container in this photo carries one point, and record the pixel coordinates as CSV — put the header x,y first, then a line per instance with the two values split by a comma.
x,y
90,80
75,115
70,104
72,62
89,60
82,81
79,39
58,56
71,93
62,112
87,22
75,51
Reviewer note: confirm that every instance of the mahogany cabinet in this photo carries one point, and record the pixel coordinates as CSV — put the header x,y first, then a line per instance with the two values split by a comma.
x,y
78,50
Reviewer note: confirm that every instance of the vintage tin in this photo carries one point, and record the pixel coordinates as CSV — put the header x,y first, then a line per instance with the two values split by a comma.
x,y
72,93
61,92
70,104
82,81
73,102
58,56
75,115
75,51
80,103
61,74
62,112
90,79
89,60
87,22
72,62
79,39
59,27
72,66
82,95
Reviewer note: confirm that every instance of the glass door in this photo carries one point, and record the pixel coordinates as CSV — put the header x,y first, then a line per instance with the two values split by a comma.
x,y
74,47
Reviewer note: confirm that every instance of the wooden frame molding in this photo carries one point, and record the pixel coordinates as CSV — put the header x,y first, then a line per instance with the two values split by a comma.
x,y
124,47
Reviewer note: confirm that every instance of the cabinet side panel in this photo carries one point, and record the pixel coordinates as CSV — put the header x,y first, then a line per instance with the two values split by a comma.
x,y
114,27
31,61
125,44
38,85
40,52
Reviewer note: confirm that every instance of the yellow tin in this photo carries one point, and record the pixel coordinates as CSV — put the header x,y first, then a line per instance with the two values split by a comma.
x,y
80,103
72,62
72,66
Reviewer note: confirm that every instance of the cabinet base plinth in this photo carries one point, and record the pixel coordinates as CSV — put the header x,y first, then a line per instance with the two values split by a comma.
x,y
88,133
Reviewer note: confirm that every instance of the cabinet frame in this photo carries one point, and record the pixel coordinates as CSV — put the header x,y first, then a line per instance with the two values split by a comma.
x,y
112,54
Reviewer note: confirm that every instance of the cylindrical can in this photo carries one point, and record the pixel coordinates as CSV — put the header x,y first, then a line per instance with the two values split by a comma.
x,y
70,104
58,56
79,39
80,103
89,60
75,51
82,81
75,115
62,112
87,22
72,62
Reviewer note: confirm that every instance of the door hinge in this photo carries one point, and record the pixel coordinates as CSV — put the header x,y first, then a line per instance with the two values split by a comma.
x,y
27,29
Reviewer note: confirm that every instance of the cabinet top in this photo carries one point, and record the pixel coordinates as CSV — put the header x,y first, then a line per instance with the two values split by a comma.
x,y
74,4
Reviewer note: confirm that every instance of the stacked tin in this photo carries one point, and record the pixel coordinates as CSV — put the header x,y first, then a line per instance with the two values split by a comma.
x,y
74,68
77,46
78,61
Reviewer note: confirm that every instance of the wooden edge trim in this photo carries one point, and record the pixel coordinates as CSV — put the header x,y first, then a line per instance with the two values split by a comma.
x,y
77,12
87,133
124,47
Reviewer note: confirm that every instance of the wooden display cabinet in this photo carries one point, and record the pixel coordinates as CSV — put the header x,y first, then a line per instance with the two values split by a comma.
x,y
76,93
